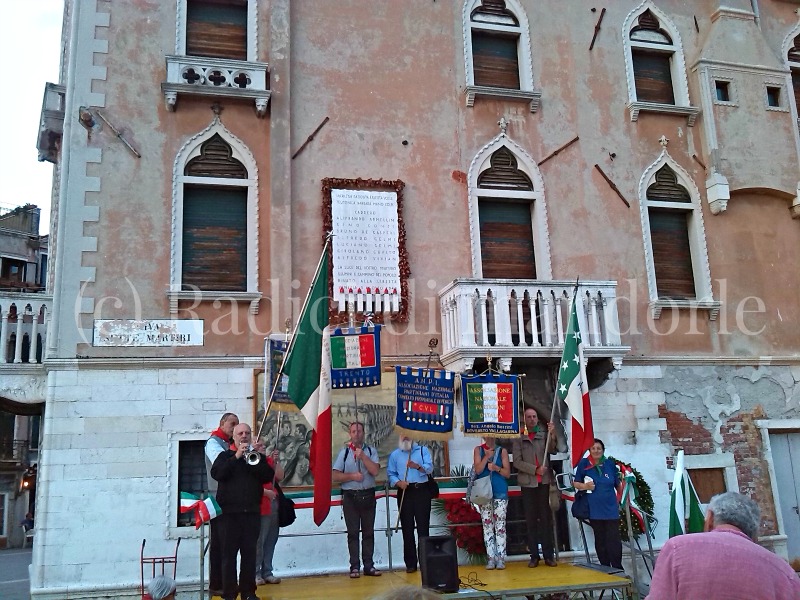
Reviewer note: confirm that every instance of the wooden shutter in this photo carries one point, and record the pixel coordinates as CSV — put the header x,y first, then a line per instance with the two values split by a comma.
x,y
504,174
651,71
672,257
708,483
215,238
494,60
506,239
215,160
217,28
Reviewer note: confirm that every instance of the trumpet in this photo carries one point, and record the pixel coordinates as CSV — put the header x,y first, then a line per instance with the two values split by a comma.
x,y
252,456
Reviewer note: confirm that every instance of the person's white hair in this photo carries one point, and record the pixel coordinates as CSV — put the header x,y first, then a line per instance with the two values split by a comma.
x,y
732,508
160,587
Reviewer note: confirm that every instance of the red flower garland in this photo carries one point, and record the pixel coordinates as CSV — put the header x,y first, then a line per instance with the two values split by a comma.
x,y
469,536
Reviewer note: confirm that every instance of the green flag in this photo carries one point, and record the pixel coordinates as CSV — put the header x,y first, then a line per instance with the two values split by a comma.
x,y
308,365
685,513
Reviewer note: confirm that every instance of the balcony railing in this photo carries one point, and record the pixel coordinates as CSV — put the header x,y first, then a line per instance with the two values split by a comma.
x,y
219,77
526,318
14,451
24,321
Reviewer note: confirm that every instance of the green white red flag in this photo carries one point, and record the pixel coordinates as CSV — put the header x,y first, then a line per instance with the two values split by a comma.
x,y
573,388
308,365
205,510
685,513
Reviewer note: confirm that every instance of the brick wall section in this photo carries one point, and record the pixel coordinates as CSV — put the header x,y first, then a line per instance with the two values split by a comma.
x,y
684,434
742,437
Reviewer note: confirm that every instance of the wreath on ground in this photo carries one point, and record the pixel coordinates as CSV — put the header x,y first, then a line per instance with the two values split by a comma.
x,y
463,520
643,499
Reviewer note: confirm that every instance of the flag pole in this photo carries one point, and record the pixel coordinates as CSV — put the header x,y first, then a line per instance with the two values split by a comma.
x,y
555,392
292,341
432,343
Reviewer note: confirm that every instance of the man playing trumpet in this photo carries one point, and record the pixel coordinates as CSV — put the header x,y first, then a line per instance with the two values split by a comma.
x,y
240,480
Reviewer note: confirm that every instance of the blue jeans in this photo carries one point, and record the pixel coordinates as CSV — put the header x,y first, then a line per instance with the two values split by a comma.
x,y
267,538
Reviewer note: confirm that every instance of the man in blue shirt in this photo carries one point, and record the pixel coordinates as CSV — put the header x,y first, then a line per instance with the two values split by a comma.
x,y
355,469
408,470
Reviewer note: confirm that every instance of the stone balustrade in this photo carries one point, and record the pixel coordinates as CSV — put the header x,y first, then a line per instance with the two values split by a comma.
x,y
24,320
526,318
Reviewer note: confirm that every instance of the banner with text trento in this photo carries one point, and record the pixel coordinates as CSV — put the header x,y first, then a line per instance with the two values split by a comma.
x,y
356,357
491,404
425,403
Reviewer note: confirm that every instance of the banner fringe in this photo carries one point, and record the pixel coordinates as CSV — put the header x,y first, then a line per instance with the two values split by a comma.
x,y
509,436
430,436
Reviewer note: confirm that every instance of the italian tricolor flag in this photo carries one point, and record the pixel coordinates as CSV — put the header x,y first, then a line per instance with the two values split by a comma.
x,y
573,388
308,365
491,402
205,510
685,513
353,351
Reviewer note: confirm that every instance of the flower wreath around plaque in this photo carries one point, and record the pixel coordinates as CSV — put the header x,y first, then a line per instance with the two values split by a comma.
x,y
464,520
642,498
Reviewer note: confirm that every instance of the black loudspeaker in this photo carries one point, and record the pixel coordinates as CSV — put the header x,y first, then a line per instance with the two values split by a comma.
x,y
438,562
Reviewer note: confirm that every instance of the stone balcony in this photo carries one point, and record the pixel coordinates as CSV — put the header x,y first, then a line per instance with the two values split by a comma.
x,y
483,317
51,122
216,77
24,320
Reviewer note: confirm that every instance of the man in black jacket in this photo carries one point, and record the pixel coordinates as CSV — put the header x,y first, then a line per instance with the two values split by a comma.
x,y
239,496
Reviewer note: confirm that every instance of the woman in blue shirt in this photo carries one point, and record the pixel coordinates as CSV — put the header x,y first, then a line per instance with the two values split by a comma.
x,y
491,460
599,477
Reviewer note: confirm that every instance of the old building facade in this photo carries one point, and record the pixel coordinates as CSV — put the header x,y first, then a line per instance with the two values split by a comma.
x,y
647,149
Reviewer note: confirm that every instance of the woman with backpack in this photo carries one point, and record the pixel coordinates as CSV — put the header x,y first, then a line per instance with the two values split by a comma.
x,y
491,460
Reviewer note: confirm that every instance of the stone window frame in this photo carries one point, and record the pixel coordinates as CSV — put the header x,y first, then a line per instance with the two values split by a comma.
x,y
526,89
733,92
527,165
680,82
767,426
697,242
722,460
242,153
252,29
788,44
173,493
783,105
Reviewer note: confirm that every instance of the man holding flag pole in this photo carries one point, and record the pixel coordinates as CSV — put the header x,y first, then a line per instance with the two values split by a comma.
x,y
307,362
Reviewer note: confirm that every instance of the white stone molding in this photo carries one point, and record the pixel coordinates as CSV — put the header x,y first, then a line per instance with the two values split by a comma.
x,y
504,364
718,460
788,43
256,73
526,164
242,153
697,240
680,84
171,530
526,90
217,77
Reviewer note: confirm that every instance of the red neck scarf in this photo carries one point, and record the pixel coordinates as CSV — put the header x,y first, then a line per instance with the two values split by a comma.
x,y
221,434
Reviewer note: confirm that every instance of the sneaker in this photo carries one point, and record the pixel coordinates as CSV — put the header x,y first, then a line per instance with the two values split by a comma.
x,y
490,564
272,579
500,564
252,597
260,581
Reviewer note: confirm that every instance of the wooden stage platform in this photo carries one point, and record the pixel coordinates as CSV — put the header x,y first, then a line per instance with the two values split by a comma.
x,y
515,581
